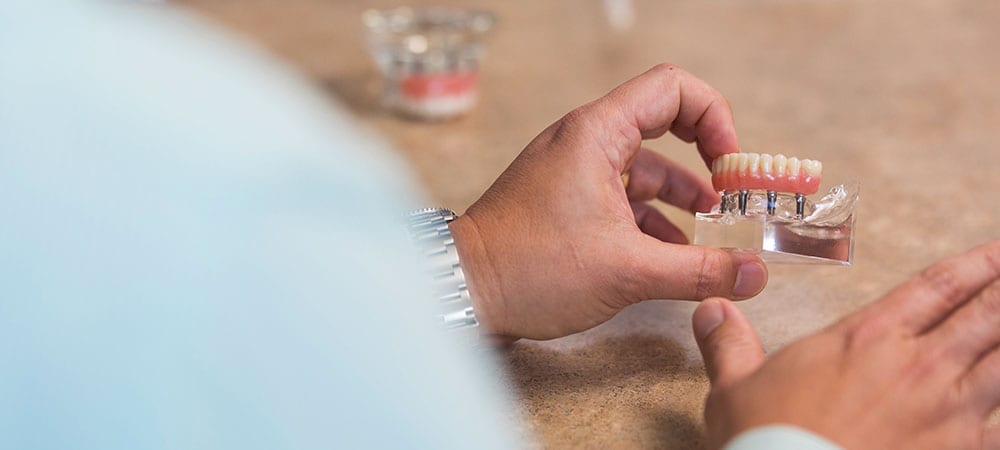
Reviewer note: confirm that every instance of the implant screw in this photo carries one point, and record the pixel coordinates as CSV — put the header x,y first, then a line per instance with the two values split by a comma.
x,y
772,202
744,199
726,205
800,205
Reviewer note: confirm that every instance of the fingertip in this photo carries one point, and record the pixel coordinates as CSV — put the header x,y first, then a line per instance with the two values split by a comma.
x,y
694,272
706,201
751,276
717,137
716,130
709,314
727,341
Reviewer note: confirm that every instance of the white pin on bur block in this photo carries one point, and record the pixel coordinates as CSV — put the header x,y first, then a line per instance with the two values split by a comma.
x,y
823,235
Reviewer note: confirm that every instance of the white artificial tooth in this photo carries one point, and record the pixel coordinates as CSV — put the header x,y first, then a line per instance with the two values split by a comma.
x,y
716,164
724,163
744,162
754,160
765,163
794,166
780,163
812,167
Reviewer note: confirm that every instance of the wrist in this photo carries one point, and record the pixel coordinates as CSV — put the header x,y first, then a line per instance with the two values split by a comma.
x,y
480,276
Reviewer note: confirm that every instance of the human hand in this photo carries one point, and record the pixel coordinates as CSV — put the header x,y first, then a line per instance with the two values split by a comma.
x,y
558,244
920,368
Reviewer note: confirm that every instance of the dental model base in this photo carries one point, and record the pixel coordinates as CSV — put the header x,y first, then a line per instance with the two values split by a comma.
x,y
764,209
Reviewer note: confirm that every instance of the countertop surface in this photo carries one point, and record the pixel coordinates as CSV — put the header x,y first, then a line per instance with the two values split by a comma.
x,y
900,95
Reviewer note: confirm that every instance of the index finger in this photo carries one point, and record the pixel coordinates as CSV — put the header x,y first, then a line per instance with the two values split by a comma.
x,y
654,176
664,98
927,299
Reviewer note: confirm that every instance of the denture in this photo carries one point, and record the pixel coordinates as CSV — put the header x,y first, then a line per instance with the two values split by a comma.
x,y
437,95
739,171
745,172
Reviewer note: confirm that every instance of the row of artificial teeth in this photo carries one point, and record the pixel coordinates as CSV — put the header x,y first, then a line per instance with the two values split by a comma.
x,y
762,163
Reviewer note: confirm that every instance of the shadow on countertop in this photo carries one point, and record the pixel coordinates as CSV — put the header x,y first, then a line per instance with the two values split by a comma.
x,y
620,392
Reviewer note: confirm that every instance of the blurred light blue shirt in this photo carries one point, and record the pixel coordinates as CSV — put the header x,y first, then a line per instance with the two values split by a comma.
x,y
197,252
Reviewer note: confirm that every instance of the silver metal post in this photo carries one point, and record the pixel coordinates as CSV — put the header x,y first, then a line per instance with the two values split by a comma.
x,y
726,205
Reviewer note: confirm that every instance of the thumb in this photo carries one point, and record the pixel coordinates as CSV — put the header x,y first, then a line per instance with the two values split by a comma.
x,y
728,343
692,272
992,438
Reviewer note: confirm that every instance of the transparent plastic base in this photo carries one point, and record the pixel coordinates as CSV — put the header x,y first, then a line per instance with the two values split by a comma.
x,y
823,234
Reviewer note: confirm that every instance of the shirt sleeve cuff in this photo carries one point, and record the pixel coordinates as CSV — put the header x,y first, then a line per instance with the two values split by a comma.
x,y
780,437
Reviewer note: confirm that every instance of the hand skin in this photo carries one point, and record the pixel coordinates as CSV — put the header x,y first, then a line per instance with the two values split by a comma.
x,y
917,369
558,244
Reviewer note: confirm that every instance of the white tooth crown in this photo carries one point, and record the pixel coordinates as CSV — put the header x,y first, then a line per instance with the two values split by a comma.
x,y
794,166
766,164
780,164
812,167
753,161
763,163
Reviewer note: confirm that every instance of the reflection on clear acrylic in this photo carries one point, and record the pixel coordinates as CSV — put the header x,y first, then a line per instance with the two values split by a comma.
x,y
823,234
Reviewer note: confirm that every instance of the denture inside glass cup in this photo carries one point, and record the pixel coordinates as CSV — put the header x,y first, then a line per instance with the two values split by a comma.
x,y
765,209
429,58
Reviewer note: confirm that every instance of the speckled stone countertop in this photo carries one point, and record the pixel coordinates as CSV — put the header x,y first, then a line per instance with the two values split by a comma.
x,y
901,95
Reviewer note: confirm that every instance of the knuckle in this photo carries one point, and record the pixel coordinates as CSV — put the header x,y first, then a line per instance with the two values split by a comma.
x,y
667,68
922,367
992,256
632,277
710,274
962,394
570,126
575,116
928,366
870,330
943,279
990,298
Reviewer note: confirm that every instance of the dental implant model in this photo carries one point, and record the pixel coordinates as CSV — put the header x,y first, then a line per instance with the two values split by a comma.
x,y
744,172
765,208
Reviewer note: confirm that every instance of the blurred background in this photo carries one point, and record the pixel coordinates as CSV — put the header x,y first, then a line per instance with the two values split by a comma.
x,y
901,95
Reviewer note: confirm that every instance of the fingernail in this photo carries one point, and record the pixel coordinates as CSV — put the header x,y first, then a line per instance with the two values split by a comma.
x,y
708,317
750,279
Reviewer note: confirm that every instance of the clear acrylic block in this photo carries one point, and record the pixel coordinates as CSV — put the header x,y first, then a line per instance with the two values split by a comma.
x,y
823,234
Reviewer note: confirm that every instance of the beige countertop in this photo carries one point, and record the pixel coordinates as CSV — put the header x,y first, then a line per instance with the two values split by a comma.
x,y
901,95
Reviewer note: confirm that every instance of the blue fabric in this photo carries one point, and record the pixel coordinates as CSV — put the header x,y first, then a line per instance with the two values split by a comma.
x,y
780,437
196,252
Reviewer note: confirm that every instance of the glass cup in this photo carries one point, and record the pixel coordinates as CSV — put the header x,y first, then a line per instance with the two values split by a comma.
x,y
429,58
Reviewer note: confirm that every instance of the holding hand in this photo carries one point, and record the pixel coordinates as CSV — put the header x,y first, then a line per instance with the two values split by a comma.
x,y
558,244
919,368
